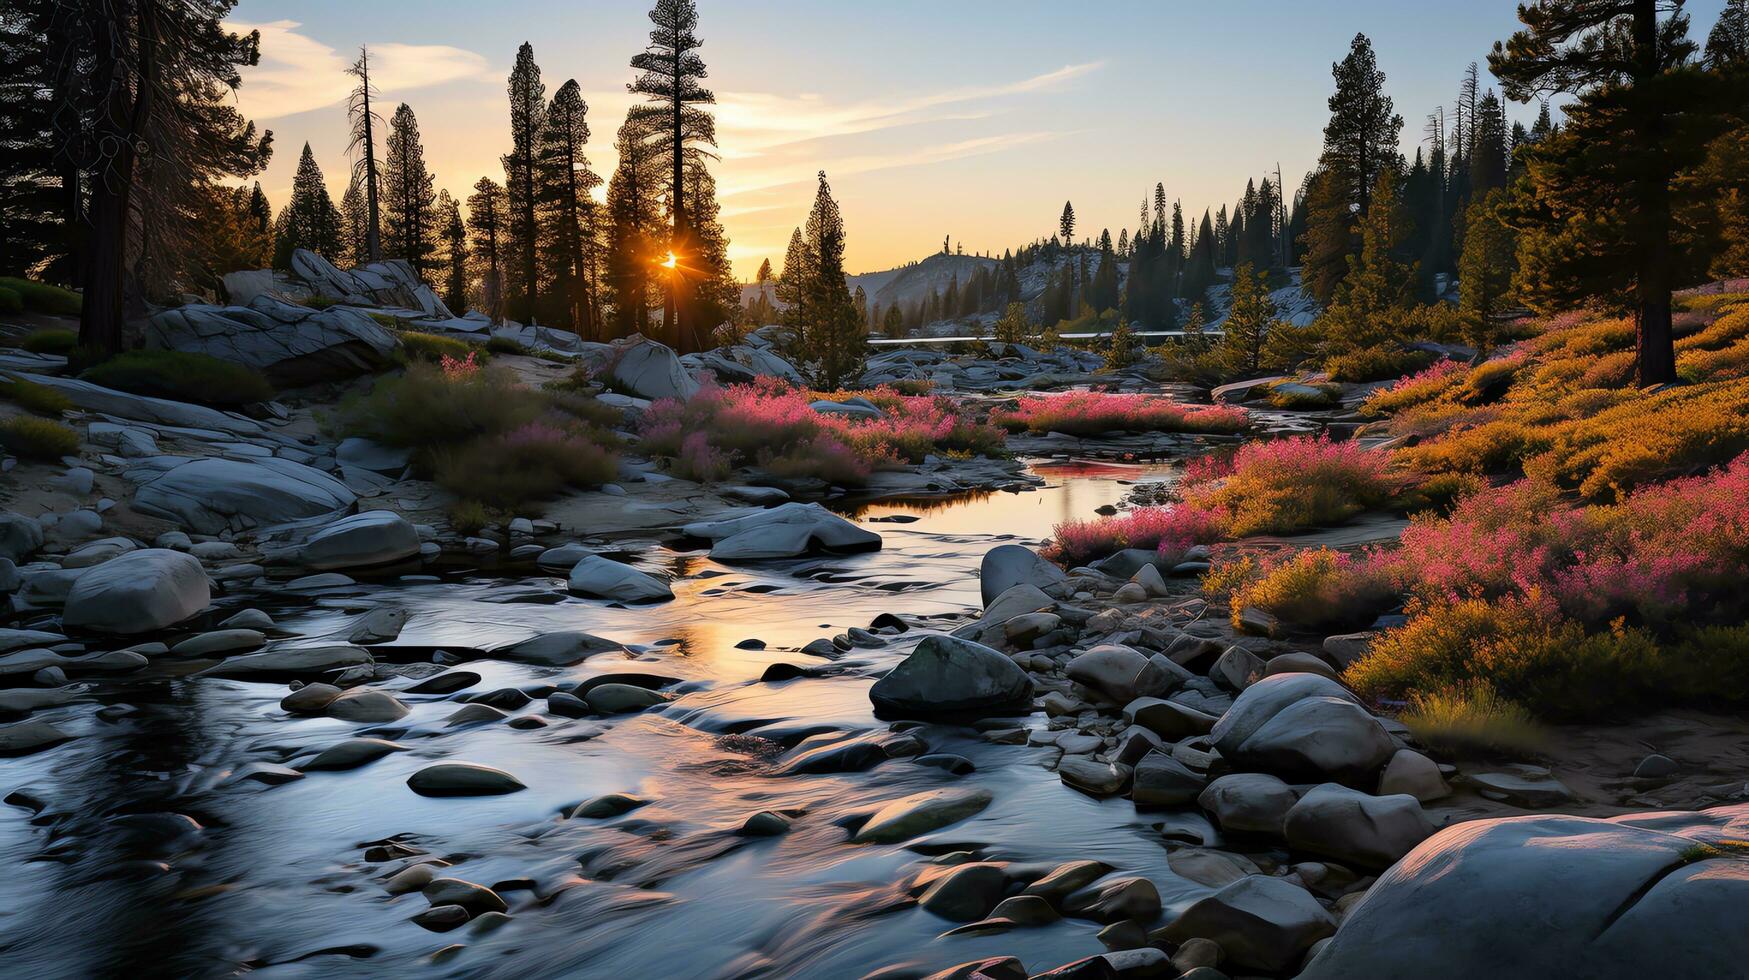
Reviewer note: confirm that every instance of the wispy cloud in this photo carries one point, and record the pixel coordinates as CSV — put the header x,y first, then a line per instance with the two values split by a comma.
x,y
754,122
298,73
867,163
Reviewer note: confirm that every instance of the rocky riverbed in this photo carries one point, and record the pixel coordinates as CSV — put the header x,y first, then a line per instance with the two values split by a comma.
x,y
263,709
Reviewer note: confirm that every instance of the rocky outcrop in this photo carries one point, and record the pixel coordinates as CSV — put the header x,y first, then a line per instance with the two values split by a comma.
x,y
138,592
290,344
785,531
213,495
388,283
650,370
1648,895
604,578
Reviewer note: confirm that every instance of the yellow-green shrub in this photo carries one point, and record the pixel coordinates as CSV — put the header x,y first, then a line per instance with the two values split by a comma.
x,y
34,397
1320,588
1470,718
35,438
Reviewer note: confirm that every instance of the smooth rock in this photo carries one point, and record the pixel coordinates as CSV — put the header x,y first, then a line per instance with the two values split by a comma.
x,y
946,675
139,592
604,578
1356,828
1261,923
920,813
1248,802
463,779
1008,565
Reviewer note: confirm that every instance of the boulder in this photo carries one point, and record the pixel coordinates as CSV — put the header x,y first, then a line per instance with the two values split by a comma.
x,y
463,779
284,662
1262,923
651,370
560,649
1355,828
1655,894
1016,601
1303,726
20,536
375,537
1249,802
1008,565
212,495
138,592
966,892
1093,777
1168,719
1161,780
604,578
1122,675
290,344
1415,774
949,676
785,531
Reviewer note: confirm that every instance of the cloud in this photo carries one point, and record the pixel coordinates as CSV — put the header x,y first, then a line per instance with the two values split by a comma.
x,y
867,163
298,73
755,122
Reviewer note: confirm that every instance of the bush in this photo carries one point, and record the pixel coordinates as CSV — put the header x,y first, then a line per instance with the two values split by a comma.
x,y
181,376
701,462
504,345
50,342
531,463
434,348
1551,666
1087,413
10,301
1377,364
34,438
1415,389
1170,530
1320,589
773,424
40,297
34,397
426,407
1290,484
1473,719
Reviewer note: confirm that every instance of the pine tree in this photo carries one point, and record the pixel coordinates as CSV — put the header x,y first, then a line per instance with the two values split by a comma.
x,y
34,198
230,237
1012,327
683,135
365,123
633,236
522,184
488,241
1248,322
145,111
764,275
893,324
1371,304
311,220
1121,350
831,331
454,236
354,224
1488,154
409,221
1727,44
564,184
1360,143
1603,193
260,212
1486,268
1067,223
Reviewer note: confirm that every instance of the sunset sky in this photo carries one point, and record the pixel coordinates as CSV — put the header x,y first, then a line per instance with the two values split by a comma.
x,y
969,118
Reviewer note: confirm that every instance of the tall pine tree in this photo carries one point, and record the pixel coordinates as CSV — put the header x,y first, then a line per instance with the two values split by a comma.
x,y
365,123
522,185
311,220
1360,143
567,211
488,241
409,217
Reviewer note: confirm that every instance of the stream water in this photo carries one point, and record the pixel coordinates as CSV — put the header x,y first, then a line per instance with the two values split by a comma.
x,y
111,877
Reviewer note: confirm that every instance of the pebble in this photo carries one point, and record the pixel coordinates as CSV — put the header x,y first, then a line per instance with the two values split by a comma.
x,y
765,823
463,779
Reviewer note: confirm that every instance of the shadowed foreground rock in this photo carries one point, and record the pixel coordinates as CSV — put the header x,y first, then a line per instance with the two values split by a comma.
x,y
1648,895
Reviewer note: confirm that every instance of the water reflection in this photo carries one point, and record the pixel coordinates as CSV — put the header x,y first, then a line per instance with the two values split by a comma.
x,y
277,881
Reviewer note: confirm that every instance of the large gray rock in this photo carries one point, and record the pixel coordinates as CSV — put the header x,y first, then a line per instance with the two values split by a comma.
x,y
391,283
560,649
1249,802
145,408
1356,828
946,675
1122,675
1008,565
290,344
211,495
1303,726
605,578
784,531
742,363
376,537
650,370
138,592
1646,895
19,536
1264,923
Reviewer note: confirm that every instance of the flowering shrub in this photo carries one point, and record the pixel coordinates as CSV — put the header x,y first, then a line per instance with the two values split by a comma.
x,y
772,424
1166,529
1288,484
460,369
1085,413
698,460
428,406
1319,588
1656,556
1423,386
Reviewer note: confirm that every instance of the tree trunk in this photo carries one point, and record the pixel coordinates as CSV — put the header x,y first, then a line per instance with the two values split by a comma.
x,y
103,311
1654,344
373,235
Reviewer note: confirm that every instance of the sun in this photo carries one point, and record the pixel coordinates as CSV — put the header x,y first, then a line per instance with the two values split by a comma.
x,y
671,261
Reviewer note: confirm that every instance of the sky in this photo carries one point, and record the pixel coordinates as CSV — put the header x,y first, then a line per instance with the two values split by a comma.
x,y
965,119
